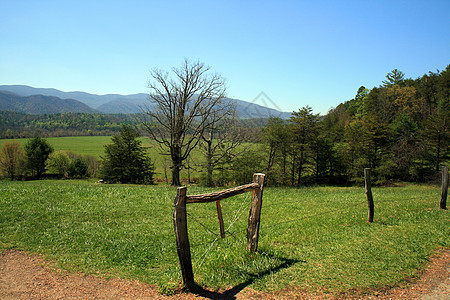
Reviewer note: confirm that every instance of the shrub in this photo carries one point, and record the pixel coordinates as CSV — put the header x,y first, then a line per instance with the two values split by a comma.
x,y
58,163
78,168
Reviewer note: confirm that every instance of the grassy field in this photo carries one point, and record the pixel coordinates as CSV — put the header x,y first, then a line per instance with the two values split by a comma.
x,y
94,146
85,145
311,238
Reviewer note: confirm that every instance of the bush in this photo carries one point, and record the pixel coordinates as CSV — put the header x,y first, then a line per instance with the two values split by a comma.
x,y
58,163
78,168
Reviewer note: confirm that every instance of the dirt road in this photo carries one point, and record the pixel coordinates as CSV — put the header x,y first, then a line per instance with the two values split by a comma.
x,y
24,276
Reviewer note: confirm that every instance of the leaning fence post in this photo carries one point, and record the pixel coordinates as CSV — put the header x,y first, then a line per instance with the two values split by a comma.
x,y
219,216
444,190
182,239
368,186
255,214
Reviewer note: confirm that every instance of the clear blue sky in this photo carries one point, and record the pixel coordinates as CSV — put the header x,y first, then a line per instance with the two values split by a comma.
x,y
299,53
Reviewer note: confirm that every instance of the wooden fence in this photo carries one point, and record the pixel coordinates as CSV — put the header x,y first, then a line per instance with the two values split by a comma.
x,y
180,219
180,222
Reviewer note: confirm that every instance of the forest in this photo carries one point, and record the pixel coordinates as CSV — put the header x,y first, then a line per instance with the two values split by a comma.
x,y
399,129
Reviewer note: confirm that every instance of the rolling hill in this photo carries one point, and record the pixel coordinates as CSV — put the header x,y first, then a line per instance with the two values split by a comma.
x,y
40,104
116,104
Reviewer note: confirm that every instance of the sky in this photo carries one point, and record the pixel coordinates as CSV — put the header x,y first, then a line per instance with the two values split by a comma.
x,y
286,54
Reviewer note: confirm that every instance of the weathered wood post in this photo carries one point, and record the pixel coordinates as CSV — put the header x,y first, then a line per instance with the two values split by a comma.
x,y
444,189
255,213
368,186
180,220
181,234
219,216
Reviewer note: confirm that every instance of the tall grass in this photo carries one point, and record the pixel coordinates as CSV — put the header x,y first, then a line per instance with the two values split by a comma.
x,y
310,238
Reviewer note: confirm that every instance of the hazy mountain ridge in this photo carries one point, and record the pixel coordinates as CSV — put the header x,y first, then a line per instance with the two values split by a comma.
x,y
40,104
125,105
115,103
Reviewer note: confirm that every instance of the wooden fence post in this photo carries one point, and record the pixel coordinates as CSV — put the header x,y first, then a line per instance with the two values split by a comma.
x,y
255,213
368,186
219,216
444,190
181,234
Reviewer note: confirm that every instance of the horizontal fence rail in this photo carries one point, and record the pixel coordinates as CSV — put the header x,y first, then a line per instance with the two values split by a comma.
x,y
216,196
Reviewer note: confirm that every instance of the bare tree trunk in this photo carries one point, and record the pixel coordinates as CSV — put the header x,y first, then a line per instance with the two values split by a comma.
x,y
209,176
165,170
188,170
176,165
271,159
209,164
176,176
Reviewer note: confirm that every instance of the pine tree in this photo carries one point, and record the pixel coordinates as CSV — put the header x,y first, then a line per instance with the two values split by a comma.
x,y
126,160
37,151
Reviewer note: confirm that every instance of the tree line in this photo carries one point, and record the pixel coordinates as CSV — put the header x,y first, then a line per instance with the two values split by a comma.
x,y
20,125
399,129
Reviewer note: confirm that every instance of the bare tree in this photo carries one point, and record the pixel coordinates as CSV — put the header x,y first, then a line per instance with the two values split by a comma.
x,y
183,104
218,143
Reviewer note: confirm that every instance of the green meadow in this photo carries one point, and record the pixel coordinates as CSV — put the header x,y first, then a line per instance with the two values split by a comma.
x,y
314,238
94,146
84,145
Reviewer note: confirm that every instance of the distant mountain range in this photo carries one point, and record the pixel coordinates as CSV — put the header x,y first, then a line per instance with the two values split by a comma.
x,y
39,104
30,100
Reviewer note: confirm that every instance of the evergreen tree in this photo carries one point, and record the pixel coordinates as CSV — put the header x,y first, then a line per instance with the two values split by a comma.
x,y
394,77
277,137
126,160
37,151
304,125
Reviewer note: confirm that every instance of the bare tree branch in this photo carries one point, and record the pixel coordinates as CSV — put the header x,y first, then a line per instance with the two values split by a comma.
x,y
182,105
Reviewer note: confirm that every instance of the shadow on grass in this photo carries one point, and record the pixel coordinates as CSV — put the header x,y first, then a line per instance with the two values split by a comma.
x,y
231,293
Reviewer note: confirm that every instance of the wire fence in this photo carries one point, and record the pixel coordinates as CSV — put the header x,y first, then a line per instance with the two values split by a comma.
x,y
238,213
